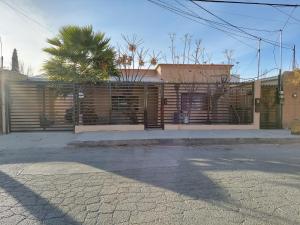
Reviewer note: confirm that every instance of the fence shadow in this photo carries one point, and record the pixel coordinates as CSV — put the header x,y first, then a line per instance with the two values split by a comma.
x,y
184,172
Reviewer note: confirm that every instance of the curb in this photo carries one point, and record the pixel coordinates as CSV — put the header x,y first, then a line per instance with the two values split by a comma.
x,y
184,142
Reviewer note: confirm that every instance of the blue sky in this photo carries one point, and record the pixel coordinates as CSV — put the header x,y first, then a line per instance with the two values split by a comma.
x,y
152,24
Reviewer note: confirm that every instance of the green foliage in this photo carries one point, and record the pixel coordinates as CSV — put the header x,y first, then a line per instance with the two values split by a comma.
x,y
15,61
78,54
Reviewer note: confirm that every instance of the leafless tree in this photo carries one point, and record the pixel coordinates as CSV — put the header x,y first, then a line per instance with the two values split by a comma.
x,y
228,53
133,60
23,70
197,51
187,46
172,47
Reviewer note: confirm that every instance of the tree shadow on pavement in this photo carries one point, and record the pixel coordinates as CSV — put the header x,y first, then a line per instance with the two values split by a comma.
x,y
37,206
183,171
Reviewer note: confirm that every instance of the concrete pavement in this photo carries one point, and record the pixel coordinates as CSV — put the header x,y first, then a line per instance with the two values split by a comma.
x,y
151,137
146,185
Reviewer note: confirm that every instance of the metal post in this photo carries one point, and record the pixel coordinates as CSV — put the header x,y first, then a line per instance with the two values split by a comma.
x,y
280,86
110,103
294,57
145,106
258,61
44,107
1,55
162,108
75,106
280,52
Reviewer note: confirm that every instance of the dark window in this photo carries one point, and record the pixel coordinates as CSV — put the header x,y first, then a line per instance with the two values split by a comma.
x,y
193,101
124,103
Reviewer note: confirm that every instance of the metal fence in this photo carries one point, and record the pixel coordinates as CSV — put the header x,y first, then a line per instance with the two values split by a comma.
x,y
38,106
119,103
51,106
203,103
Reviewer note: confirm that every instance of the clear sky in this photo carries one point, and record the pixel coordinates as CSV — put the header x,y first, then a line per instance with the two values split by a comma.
x,y
27,23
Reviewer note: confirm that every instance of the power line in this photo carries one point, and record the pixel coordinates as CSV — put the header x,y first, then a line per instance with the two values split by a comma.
x,y
285,13
289,17
210,22
15,9
230,34
247,28
195,15
250,3
236,27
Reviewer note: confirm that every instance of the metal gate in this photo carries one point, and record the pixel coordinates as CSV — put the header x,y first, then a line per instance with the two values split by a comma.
x,y
40,106
269,111
154,106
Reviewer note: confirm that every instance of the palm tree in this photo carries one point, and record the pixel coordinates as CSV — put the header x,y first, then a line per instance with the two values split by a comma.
x,y
78,54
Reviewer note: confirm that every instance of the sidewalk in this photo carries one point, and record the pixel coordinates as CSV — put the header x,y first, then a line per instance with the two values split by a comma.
x,y
151,137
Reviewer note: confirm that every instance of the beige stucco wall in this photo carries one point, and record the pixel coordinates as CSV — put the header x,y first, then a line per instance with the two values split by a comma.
x,y
291,105
193,72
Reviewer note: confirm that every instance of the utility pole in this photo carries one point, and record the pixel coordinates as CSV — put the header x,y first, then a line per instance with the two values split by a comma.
x,y
294,57
280,87
280,70
258,60
1,55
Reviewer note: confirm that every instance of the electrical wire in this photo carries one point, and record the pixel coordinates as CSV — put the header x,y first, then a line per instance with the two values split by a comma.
x,y
289,17
247,28
250,3
230,34
285,13
22,13
243,31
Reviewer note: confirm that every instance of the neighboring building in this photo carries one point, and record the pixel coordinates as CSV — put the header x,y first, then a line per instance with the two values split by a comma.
x,y
270,109
291,105
6,75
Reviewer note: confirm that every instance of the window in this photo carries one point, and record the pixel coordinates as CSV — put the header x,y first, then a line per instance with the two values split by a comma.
x,y
124,103
193,101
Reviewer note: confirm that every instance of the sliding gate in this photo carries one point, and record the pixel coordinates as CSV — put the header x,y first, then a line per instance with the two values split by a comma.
x,y
40,106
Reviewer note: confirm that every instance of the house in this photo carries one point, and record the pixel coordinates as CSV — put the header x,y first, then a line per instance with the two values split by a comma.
x,y
170,96
200,73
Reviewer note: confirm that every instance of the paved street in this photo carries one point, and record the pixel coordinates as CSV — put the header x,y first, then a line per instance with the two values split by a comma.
x,y
240,184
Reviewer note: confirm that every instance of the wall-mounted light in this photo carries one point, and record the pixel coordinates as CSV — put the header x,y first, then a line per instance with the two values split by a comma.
x,y
294,95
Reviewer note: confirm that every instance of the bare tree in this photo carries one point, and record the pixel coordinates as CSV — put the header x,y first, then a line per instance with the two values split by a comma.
x,y
228,53
172,47
133,60
23,70
198,52
186,49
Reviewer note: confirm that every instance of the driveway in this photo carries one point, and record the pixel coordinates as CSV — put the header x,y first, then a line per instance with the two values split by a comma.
x,y
230,184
